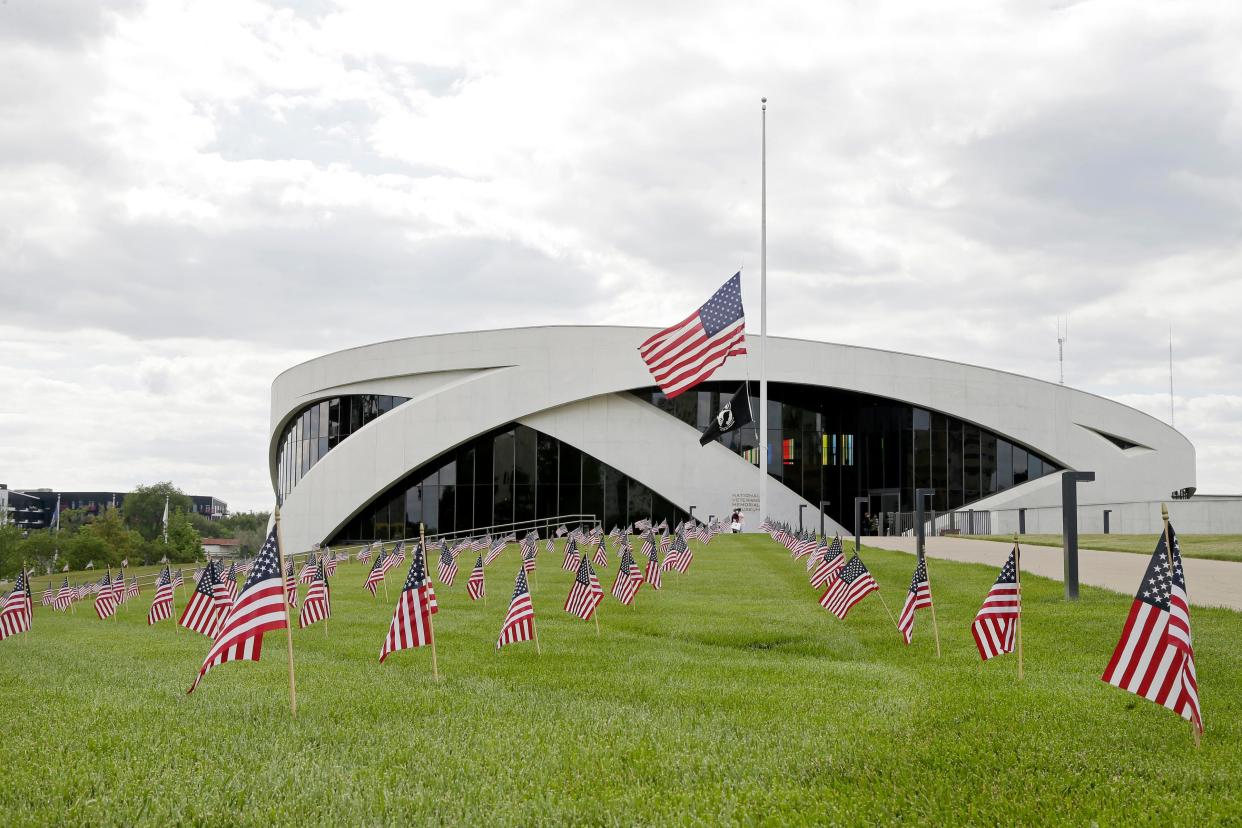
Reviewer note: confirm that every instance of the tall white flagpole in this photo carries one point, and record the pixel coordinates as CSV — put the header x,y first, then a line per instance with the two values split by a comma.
x,y
763,321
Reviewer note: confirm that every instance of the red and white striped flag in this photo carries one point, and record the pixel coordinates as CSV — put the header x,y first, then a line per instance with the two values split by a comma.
x,y
447,569
65,596
919,597
519,623
411,620
105,602
830,563
308,569
601,554
291,586
682,356
203,611
162,604
49,597
378,570
629,579
586,593
18,608
854,584
318,603
475,586
1155,658
651,550
259,608
997,619
571,555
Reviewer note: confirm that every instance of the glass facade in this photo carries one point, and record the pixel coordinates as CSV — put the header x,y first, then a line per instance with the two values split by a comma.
x,y
835,445
512,474
319,427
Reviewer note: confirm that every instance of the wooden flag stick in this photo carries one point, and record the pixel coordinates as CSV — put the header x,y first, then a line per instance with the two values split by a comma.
x,y
1168,551
595,615
293,689
880,595
935,626
535,630
1017,574
431,627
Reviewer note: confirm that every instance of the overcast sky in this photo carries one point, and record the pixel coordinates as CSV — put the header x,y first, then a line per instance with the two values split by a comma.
x,y
196,196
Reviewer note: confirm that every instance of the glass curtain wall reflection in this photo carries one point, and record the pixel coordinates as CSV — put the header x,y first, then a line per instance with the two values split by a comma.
x,y
319,427
831,444
512,474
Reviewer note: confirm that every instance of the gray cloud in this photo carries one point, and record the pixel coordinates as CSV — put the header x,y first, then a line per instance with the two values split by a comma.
x,y
315,175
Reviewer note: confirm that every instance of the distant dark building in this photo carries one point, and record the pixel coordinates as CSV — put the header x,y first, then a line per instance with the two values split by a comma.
x,y
32,508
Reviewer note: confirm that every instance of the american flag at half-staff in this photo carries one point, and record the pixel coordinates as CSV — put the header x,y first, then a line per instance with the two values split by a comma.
x,y
586,593
259,608
18,608
1155,657
318,603
519,623
162,603
917,598
629,579
997,620
682,356
854,584
475,587
411,620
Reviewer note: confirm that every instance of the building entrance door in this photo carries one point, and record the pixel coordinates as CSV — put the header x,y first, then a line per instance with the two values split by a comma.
x,y
884,505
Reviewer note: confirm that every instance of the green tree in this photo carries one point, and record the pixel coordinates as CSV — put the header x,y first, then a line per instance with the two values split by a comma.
x,y
184,542
120,539
144,508
72,520
83,548
10,551
39,549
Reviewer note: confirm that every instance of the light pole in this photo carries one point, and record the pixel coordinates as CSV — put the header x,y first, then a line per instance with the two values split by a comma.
x,y
822,504
801,506
920,533
859,502
1069,522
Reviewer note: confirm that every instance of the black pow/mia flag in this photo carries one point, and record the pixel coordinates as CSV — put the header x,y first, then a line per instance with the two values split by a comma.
x,y
733,415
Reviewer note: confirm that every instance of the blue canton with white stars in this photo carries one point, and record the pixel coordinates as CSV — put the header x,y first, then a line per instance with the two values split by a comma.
x,y
267,565
724,308
854,570
920,575
1009,572
418,570
1161,576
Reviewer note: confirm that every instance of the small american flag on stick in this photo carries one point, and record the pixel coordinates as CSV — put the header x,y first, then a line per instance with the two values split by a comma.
x,y
162,603
105,602
475,586
259,608
997,620
519,623
411,620
447,567
1155,658
18,608
854,584
919,597
586,593
682,356
629,579
318,603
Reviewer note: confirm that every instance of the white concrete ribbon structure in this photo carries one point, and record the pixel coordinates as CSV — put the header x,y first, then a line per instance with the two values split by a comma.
x,y
573,382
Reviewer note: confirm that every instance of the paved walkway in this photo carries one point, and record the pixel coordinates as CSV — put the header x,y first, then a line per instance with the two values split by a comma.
x,y
1210,583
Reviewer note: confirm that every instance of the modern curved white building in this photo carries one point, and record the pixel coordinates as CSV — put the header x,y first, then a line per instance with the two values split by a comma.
x,y
489,427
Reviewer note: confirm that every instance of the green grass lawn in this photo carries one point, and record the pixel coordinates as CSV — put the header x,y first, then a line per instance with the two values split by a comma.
x,y
727,697
1217,547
